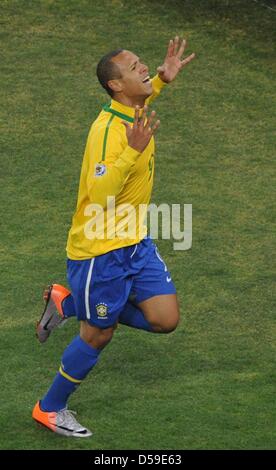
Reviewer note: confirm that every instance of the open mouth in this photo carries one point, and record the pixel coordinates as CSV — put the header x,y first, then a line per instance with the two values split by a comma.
x,y
146,79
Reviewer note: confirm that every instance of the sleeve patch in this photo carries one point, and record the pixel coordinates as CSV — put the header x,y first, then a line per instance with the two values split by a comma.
x,y
100,169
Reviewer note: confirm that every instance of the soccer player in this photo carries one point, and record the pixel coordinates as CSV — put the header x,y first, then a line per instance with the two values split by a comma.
x,y
115,277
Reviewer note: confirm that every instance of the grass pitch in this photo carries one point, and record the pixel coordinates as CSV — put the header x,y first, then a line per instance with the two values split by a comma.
x,y
210,384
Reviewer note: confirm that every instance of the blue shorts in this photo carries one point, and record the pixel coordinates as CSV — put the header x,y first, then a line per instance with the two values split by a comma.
x,y
101,286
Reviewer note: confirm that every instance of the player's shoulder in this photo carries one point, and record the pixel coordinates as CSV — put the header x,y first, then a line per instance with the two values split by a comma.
x,y
108,123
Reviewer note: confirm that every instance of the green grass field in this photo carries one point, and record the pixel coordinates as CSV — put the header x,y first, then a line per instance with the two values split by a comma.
x,y
210,384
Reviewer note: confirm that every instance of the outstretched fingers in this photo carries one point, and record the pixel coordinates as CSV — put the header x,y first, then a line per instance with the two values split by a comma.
x,y
188,59
146,123
175,45
170,48
150,121
181,49
155,126
152,126
143,117
136,117
139,135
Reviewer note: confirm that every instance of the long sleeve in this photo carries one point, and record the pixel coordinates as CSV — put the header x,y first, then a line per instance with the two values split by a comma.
x,y
157,85
110,163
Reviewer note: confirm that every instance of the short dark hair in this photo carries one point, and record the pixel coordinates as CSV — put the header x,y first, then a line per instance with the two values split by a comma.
x,y
108,70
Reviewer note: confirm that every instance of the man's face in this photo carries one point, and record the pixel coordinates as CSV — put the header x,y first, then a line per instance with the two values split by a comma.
x,y
135,80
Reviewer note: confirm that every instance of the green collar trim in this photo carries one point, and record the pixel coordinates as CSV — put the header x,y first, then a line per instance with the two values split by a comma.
x,y
107,108
105,137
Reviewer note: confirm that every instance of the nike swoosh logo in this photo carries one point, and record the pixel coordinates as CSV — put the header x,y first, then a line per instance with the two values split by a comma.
x,y
47,323
71,430
168,279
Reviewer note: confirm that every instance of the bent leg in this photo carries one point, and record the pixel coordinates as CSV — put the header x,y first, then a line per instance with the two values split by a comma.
x,y
162,312
154,294
133,316
94,336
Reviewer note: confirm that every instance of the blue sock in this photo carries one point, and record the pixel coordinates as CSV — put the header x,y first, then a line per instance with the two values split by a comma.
x,y
133,316
77,360
68,307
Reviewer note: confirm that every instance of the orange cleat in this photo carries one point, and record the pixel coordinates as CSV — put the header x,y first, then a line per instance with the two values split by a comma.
x,y
52,315
62,422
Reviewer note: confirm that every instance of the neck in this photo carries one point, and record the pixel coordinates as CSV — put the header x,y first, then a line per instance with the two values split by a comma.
x,y
130,101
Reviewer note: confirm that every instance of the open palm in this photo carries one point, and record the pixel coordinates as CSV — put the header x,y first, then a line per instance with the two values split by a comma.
x,y
173,63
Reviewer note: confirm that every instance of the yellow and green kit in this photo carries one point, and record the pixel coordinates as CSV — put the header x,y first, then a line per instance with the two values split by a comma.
x,y
114,177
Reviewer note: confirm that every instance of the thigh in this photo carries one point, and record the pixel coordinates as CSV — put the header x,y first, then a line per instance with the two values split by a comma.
x,y
98,300
162,312
154,292
152,280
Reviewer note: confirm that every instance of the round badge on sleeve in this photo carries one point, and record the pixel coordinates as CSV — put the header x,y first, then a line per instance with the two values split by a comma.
x,y
100,169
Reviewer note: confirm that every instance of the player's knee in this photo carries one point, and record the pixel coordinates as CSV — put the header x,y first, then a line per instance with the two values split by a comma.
x,y
170,326
96,337
168,323
101,339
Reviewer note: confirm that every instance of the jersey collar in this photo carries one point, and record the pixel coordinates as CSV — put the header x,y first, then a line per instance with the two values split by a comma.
x,y
120,110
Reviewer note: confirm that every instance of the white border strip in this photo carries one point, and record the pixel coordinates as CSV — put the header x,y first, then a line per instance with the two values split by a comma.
x,y
160,259
134,251
87,287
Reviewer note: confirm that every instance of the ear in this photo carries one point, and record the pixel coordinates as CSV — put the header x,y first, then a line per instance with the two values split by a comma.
x,y
115,85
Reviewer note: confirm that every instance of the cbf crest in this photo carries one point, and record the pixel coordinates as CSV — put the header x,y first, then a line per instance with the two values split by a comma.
x,y
102,310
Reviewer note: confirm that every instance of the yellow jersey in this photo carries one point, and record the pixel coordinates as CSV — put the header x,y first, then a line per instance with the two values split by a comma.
x,y
115,185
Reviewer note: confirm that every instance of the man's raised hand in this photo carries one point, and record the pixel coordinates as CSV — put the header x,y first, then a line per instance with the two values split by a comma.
x,y
173,62
143,129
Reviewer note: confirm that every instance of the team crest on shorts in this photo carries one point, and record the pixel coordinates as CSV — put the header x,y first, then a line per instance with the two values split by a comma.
x,y
101,310
100,169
